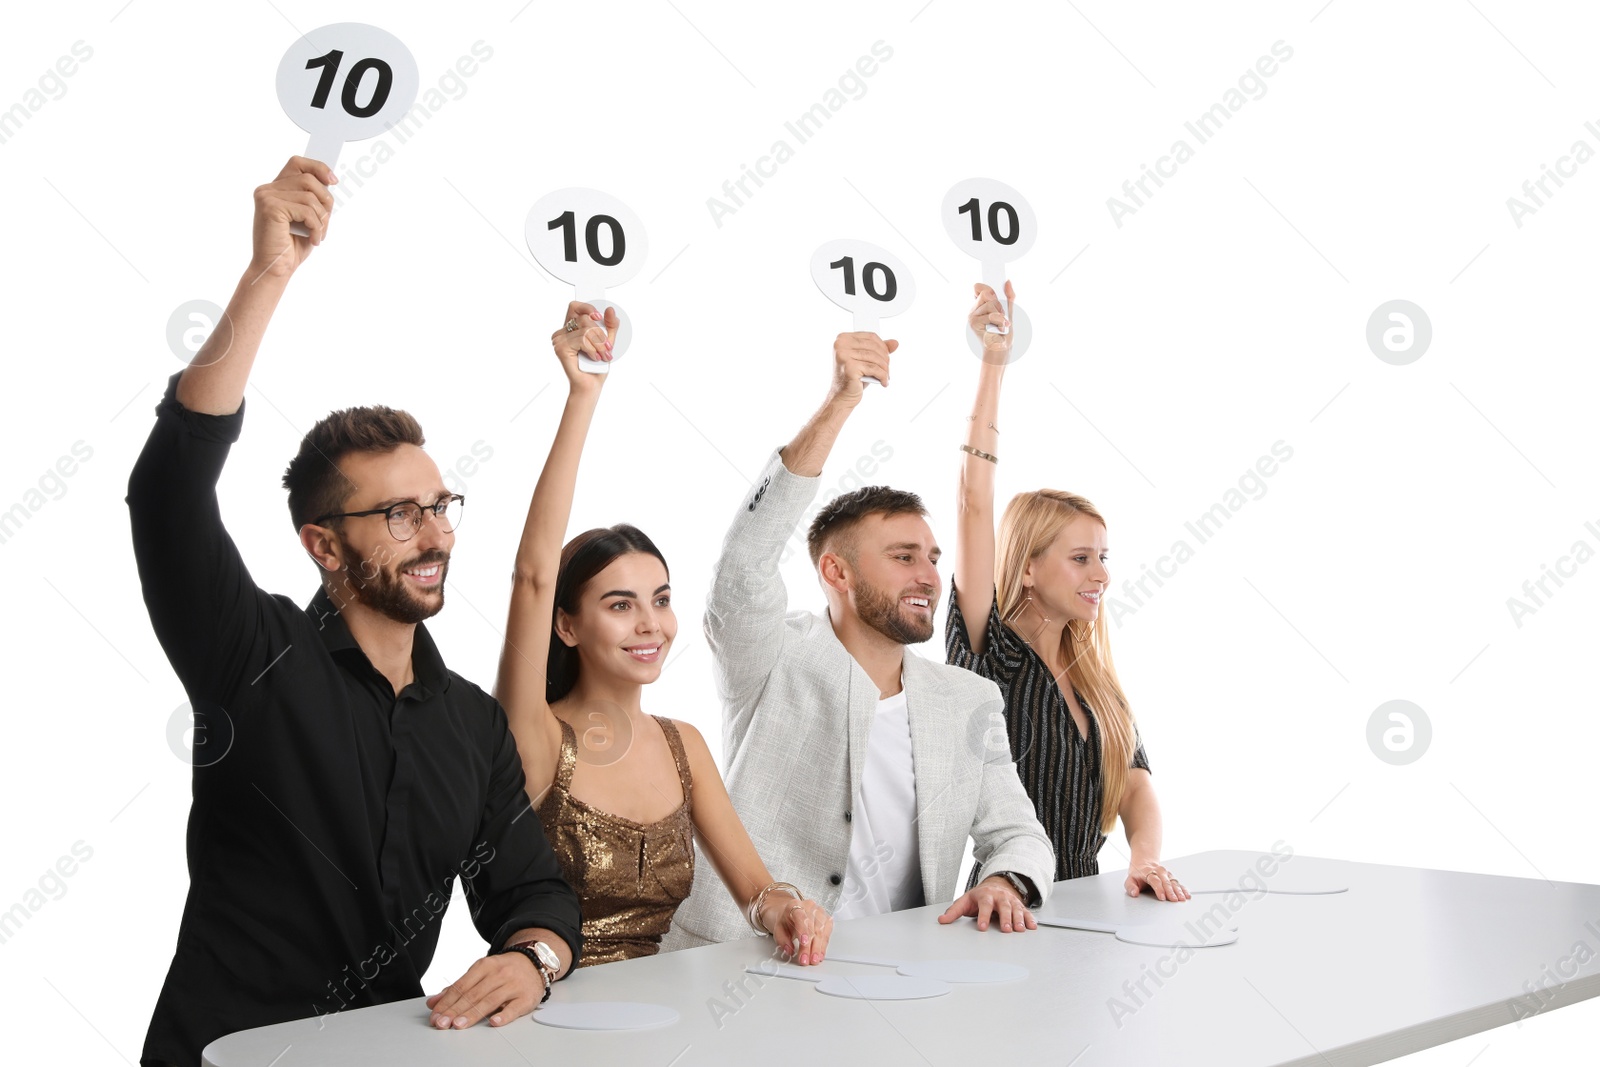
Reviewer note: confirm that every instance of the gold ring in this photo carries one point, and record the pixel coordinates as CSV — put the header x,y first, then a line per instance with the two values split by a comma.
x,y
572,324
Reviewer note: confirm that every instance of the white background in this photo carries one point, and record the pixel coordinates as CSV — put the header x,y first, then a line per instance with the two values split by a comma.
x,y
1225,315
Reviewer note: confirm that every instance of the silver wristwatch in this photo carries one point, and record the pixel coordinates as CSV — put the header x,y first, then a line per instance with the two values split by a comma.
x,y
1018,884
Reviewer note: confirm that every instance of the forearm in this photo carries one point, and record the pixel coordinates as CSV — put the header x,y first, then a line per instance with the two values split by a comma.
x,y
728,846
976,498
544,530
1141,821
982,432
745,876
808,452
975,537
214,382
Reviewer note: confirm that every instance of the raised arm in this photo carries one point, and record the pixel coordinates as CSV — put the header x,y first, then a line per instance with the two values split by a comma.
x,y
745,608
855,355
203,605
520,682
975,549
214,382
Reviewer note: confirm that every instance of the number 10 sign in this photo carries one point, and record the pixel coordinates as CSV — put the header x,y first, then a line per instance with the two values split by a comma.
x,y
345,82
994,224
592,240
865,280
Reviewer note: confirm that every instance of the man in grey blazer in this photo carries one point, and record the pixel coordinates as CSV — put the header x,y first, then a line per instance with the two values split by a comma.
x,y
858,767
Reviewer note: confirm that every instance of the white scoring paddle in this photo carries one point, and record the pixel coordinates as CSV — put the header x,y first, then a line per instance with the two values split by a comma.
x,y
993,223
859,987
865,280
1164,933
606,1015
594,241
956,972
345,82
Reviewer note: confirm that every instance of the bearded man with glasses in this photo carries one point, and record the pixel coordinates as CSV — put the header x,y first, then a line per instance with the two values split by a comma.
x,y
352,777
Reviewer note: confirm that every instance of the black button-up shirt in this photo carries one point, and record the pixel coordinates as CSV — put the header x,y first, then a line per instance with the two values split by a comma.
x,y
330,816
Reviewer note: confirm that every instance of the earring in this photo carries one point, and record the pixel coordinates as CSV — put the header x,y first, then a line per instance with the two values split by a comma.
x,y
1027,599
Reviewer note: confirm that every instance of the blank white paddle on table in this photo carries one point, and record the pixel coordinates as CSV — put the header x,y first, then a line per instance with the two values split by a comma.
x,y
956,972
1164,933
858,987
1286,881
605,1015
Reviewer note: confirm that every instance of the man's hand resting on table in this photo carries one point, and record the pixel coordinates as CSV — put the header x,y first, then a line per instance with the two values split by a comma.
x,y
992,897
502,987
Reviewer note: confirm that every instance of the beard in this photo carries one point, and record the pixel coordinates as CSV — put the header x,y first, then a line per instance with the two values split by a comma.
x,y
882,612
386,592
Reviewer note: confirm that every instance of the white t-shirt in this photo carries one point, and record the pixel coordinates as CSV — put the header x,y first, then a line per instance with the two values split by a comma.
x,y
885,869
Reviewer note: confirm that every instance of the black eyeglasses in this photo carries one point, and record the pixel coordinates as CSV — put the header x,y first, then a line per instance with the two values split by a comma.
x,y
405,518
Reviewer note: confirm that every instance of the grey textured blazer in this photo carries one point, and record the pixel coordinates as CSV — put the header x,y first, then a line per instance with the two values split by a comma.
x,y
797,711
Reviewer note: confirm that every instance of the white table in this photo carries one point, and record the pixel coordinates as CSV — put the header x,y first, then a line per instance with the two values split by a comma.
x,y
1404,960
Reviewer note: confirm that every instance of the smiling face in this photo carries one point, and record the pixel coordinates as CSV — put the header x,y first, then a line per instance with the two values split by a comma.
x,y
624,625
892,577
1068,579
403,580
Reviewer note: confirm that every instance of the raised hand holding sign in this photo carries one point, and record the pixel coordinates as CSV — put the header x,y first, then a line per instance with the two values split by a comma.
x,y
593,241
993,223
345,82
865,280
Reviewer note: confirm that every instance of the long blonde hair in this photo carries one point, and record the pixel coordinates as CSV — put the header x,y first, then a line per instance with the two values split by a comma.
x,y
1031,523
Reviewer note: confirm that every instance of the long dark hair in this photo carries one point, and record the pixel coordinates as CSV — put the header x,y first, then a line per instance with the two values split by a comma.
x,y
584,557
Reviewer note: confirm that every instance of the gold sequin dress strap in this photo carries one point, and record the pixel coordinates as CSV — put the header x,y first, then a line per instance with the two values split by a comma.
x,y
569,757
675,742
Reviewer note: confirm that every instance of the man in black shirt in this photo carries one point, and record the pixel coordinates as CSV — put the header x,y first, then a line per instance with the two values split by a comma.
x,y
360,776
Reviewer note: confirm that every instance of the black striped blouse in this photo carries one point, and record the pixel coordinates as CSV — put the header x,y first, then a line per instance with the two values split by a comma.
x,y
1059,768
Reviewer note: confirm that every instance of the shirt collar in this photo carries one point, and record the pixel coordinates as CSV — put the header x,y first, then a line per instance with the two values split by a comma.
x,y
426,662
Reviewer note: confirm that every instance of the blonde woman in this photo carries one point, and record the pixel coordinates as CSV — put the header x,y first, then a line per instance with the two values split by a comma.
x,y
1041,638
621,794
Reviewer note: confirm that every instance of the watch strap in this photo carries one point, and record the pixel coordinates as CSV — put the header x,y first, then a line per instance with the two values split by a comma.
x,y
1024,890
526,949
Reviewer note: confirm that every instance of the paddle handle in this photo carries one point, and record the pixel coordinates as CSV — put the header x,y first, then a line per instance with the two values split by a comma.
x,y
323,149
784,970
1076,924
869,961
865,320
994,276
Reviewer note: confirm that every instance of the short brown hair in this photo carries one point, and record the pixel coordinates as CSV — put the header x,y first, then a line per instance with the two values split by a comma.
x,y
840,516
316,485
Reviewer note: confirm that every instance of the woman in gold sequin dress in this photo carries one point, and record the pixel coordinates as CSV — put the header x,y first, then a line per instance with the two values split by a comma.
x,y
621,793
